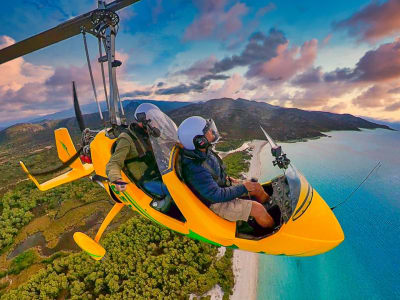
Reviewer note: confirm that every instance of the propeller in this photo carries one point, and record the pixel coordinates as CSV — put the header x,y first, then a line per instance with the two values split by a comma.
x,y
78,113
82,127
280,158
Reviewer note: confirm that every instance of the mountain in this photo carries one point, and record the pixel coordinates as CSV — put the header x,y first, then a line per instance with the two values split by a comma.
x,y
237,119
129,105
242,118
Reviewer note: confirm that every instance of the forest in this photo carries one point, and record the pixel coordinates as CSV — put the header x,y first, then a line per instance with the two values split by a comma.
x,y
143,260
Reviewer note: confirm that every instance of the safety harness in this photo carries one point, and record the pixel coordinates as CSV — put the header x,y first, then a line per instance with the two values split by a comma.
x,y
222,180
145,155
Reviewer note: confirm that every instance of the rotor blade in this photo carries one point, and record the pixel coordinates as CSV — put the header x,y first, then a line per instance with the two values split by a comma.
x,y
78,112
270,140
56,34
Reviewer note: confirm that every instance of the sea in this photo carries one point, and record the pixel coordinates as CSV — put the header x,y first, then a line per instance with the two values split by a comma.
x,y
367,264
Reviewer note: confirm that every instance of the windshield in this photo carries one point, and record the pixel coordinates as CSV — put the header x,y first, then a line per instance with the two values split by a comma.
x,y
164,141
293,178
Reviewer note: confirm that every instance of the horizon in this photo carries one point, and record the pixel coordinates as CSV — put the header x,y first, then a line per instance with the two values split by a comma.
x,y
395,125
338,58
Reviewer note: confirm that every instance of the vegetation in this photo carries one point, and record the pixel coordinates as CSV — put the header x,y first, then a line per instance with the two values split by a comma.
x,y
143,261
22,261
237,163
17,205
228,145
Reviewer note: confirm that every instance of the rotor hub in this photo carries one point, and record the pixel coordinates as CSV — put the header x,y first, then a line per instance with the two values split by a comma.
x,y
102,18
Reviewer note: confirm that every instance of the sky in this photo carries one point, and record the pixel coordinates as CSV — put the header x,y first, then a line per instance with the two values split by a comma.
x,y
337,56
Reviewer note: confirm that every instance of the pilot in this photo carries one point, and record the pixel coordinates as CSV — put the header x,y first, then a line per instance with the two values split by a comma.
x,y
133,154
204,174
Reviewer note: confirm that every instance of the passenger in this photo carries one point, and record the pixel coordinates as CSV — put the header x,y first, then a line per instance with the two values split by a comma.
x,y
204,173
133,153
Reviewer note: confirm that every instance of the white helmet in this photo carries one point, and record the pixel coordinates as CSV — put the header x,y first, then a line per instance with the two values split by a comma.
x,y
192,130
142,109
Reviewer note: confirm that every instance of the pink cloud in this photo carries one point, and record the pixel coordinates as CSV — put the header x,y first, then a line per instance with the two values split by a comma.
x,y
287,62
214,19
373,22
264,10
337,108
381,64
199,68
393,107
231,88
374,96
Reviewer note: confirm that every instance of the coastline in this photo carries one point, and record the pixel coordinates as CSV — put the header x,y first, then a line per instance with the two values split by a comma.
x,y
245,264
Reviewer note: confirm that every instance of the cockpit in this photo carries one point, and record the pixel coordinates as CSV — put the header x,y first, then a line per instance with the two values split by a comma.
x,y
284,189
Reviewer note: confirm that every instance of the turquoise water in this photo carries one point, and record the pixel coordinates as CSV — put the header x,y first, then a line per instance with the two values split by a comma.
x,y
367,264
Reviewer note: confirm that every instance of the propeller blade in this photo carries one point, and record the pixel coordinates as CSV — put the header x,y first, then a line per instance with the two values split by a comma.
x,y
270,140
56,34
77,108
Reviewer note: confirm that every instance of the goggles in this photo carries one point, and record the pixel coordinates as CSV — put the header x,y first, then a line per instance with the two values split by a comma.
x,y
210,125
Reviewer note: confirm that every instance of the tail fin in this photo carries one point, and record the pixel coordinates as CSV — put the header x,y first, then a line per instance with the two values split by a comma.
x,y
66,150
65,147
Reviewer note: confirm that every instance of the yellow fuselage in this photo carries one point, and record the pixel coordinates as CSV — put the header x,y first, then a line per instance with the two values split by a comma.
x,y
312,229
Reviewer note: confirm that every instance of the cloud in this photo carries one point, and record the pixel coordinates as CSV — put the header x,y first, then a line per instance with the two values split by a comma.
x,y
373,97
337,108
29,90
215,19
199,68
134,94
182,88
286,63
259,49
380,64
393,107
374,21
264,10
209,77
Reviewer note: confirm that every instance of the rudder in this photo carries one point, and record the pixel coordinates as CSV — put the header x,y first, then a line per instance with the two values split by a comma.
x,y
66,148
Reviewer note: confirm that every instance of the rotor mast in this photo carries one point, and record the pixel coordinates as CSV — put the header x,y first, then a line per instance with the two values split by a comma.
x,y
108,37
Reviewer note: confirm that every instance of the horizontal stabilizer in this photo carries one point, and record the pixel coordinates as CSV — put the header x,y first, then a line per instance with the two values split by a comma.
x,y
65,150
70,176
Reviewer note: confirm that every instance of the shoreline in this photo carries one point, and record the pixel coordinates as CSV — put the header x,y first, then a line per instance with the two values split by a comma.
x,y
245,264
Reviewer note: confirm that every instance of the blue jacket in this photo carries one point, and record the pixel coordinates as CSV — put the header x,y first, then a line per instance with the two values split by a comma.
x,y
201,181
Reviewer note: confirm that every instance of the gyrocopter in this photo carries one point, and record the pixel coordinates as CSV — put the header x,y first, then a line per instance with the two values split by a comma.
x,y
305,224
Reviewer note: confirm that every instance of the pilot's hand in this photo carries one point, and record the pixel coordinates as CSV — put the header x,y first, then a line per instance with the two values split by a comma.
x,y
256,190
234,180
252,186
120,185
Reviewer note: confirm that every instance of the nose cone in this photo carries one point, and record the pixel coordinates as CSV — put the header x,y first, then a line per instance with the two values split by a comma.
x,y
313,225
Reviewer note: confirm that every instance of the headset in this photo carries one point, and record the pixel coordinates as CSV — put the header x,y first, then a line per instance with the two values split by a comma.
x,y
200,142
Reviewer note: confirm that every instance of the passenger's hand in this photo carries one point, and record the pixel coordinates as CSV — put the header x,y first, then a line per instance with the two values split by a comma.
x,y
120,185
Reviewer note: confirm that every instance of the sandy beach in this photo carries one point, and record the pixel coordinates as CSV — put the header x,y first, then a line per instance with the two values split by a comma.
x,y
245,264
